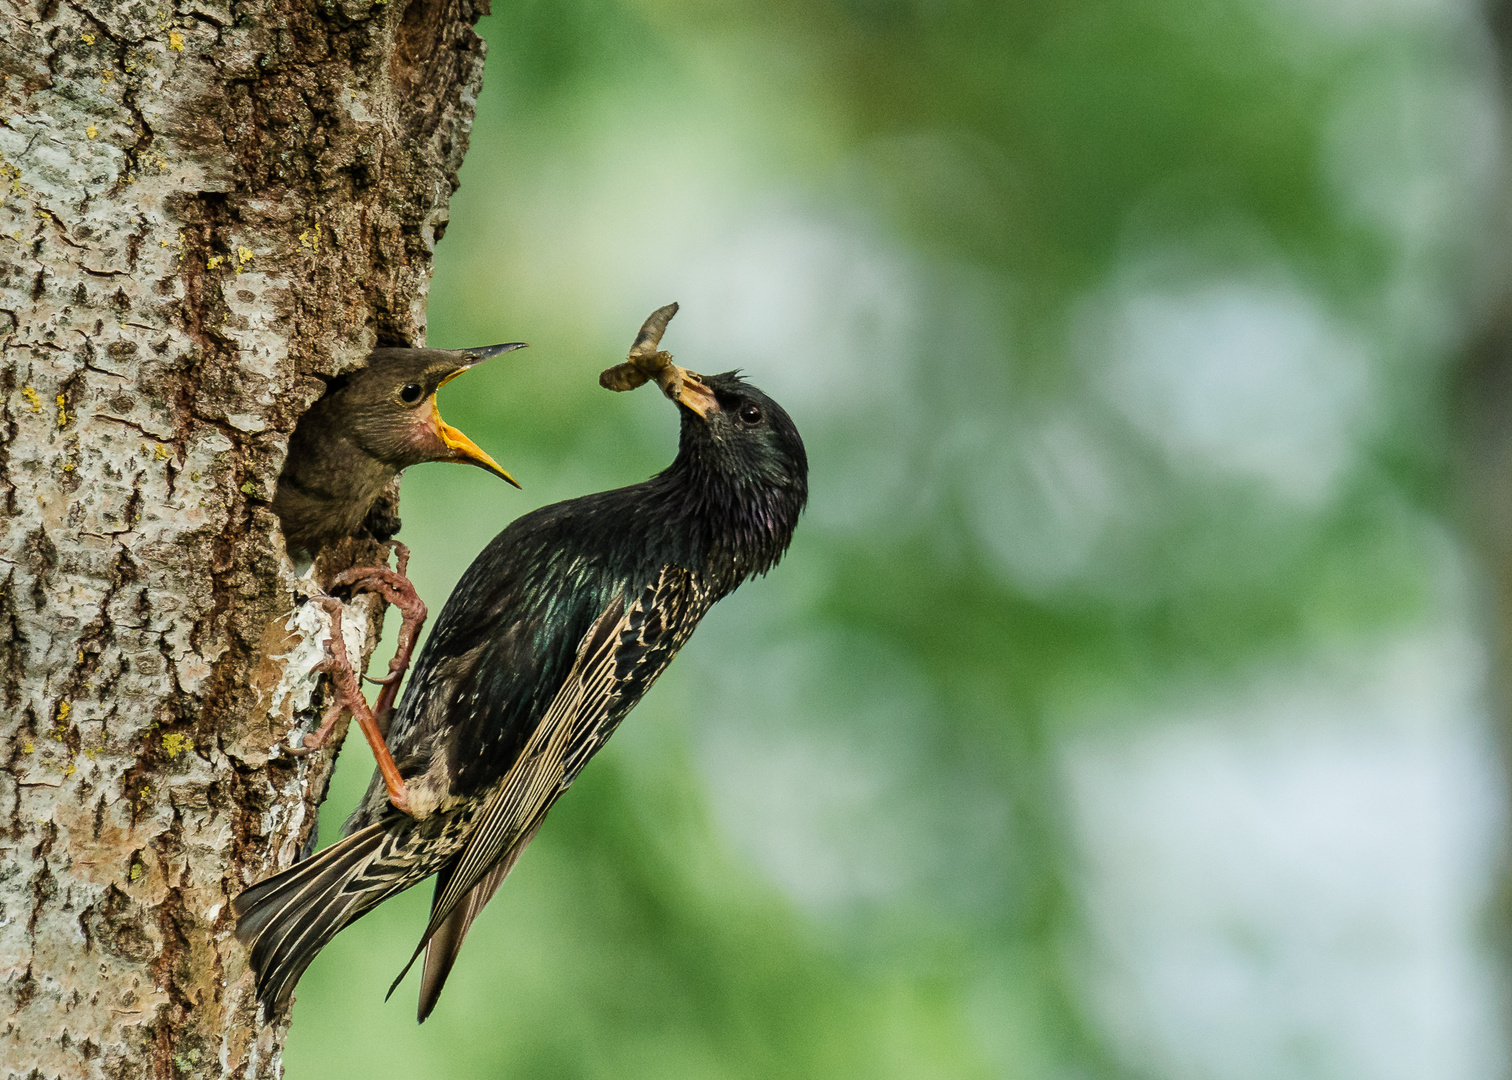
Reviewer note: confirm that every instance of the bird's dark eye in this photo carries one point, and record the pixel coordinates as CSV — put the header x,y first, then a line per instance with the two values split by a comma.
x,y
751,414
411,393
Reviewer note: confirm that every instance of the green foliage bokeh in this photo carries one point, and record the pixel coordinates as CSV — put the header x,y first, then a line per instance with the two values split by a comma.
x,y
834,840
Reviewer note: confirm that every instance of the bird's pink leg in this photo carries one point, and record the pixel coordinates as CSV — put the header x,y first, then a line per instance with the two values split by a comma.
x,y
348,698
394,587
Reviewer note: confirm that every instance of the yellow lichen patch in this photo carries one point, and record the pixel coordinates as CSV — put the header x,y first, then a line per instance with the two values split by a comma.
x,y
91,131
176,41
28,748
13,174
33,402
106,75
69,466
214,261
64,708
310,238
161,451
175,744
63,416
72,768
243,257
137,870
87,39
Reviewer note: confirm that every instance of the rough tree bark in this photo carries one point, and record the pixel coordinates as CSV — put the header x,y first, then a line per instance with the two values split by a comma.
x,y
206,204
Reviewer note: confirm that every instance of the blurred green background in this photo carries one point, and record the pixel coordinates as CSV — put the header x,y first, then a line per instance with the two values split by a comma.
x,y
1119,709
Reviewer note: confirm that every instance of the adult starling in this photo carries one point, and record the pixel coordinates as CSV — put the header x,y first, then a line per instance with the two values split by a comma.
x,y
345,453
552,635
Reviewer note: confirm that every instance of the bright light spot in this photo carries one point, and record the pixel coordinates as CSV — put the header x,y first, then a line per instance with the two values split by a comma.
x,y
1415,154
1236,377
1294,887
1041,500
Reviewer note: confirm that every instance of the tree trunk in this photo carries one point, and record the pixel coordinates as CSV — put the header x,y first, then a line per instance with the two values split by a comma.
x,y
205,204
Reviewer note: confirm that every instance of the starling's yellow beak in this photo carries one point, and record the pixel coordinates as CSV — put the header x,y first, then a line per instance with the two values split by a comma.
x,y
464,449
461,448
689,390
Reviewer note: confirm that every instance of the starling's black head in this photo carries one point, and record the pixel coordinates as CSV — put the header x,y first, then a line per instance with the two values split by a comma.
x,y
742,451
390,406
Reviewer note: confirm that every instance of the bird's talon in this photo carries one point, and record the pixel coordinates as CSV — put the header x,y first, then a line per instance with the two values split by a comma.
x,y
401,558
311,741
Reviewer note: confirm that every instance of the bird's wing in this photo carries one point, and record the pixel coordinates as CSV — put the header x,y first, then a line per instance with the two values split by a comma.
x,y
618,659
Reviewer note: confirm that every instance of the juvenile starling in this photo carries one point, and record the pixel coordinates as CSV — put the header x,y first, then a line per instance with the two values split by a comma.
x,y
345,453
369,427
552,635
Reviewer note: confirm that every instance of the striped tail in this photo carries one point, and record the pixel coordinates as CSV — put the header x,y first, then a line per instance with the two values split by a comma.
x,y
443,942
287,919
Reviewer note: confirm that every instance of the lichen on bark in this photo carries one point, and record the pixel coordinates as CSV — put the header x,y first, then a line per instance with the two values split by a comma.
x,y
204,206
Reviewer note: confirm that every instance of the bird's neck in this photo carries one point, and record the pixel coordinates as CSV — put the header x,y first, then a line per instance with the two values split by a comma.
x,y
738,526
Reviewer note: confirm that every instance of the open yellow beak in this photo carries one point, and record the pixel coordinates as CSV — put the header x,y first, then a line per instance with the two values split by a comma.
x,y
465,450
461,447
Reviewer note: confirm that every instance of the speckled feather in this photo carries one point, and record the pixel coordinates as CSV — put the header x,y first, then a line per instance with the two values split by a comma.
x,y
551,637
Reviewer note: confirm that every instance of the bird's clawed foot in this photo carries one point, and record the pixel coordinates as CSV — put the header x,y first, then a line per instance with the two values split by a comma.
x,y
348,694
395,588
349,699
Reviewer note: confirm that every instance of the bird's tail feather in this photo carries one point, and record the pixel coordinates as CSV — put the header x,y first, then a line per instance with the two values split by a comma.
x,y
443,939
287,919
442,949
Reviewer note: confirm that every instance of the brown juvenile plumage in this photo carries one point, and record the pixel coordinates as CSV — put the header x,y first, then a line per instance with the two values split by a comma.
x,y
369,427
